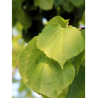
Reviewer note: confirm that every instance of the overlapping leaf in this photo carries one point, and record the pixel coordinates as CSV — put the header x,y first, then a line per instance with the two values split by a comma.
x,y
60,42
42,74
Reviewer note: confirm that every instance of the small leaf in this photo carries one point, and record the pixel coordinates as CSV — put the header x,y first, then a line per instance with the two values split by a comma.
x,y
44,75
60,43
83,18
67,6
44,4
77,3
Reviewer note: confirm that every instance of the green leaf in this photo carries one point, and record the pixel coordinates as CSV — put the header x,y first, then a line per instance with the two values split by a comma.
x,y
22,86
44,4
62,95
83,18
58,2
78,84
58,20
44,75
78,60
60,43
14,20
67,6
82,94
22,17
27,59
77,3
83,32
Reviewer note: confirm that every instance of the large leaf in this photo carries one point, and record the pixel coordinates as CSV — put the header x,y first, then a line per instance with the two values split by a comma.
x,y
44,75
78,84
44,4
77,3
60,43
83,18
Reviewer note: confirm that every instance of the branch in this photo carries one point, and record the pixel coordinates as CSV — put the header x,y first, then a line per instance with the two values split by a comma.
x,y
81,28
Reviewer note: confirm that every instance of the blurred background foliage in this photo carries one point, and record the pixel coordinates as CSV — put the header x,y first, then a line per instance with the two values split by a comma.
x,y
28,19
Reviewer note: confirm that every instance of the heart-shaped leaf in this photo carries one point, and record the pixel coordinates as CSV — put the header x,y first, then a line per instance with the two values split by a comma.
x,y
60,43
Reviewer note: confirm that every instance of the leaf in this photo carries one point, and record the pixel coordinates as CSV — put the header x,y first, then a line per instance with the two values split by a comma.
x,y
58,20
77,3
44,75
67,6
77,61
82,94
83,18
78,84
62,95
58,2
27,59
60,43
83,32
22,18
44,4
14,20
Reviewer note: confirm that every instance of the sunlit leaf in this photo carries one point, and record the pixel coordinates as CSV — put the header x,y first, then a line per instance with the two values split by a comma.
x,y
44,75
58,20
60,43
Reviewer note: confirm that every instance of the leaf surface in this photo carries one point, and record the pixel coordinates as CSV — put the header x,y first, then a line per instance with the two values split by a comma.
x,y
79,60
78,84
77,3
60,43
42,74
44,4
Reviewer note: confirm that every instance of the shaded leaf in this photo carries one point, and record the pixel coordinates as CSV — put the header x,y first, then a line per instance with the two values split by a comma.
x,y
78,60
44,75
23,18
44,4
78,84
77,3
67,6
82,94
